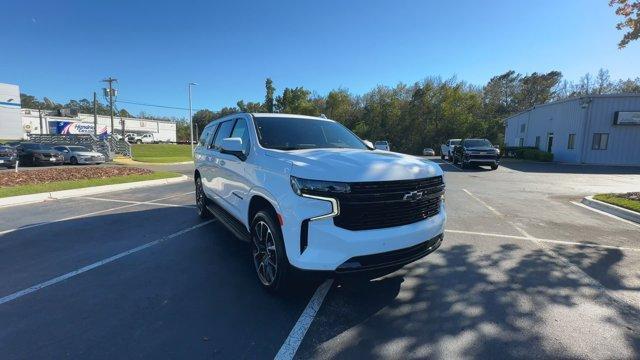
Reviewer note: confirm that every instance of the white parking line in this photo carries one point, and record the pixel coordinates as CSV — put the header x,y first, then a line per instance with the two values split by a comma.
x,y
84,269
292,342
139,202
483,203
605,213
561,242
446,162
609,298
90,214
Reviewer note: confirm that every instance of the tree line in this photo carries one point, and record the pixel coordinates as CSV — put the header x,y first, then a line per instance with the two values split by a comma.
x,y
427,113
410,117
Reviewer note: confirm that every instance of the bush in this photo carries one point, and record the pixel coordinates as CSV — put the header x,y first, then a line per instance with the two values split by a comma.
x,y
533,154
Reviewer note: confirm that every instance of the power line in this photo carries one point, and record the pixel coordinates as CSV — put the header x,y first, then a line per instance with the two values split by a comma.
x,y
151,105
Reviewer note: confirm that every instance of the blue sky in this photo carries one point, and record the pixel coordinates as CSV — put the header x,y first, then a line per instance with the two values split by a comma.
x,y
61,49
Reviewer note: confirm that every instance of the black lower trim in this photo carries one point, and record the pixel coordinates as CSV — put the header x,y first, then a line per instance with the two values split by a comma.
x,y
390,259
304,235
228,220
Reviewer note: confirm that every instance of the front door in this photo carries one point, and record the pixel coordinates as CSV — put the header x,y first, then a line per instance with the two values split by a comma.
x,y
550,143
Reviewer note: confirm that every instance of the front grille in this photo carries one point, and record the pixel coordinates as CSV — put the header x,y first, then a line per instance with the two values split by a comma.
x,y
383,204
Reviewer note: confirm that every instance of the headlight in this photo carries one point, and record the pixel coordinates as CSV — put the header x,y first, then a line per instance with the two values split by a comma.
x,y
319,187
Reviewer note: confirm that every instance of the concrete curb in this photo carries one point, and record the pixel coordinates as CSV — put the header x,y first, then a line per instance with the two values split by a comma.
x,y
133,162
64,194
612,209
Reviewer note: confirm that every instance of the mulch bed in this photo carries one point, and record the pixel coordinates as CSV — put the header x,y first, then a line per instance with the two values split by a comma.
x,y
43,176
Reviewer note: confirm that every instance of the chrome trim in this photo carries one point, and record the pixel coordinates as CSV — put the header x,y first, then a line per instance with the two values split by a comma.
x,y
335,206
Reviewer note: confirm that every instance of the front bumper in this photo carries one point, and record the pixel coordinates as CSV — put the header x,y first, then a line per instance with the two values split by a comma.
x,y
49,161
328,247
90,161
8,162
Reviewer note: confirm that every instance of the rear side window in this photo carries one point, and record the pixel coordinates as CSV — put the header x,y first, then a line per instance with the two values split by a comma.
x,y
204,137
223,132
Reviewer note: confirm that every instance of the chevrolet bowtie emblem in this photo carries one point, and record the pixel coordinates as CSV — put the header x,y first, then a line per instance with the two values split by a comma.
x,y
413,196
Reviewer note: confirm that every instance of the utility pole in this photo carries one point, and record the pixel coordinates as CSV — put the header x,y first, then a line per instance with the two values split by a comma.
x,y
40,116
191,116
95,114
110,80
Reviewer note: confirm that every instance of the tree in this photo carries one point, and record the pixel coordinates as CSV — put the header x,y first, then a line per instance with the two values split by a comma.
x,y
296,101
536,89
251,107
500,92
269,102
630,12
603,83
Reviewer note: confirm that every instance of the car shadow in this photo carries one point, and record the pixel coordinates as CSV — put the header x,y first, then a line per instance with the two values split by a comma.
x,y
460,304
192,295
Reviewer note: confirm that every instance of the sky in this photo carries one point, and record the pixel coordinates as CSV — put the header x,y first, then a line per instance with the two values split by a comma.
x,y
62,49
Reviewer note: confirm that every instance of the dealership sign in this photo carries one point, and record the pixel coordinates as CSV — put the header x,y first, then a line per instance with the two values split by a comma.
x,y
68,127
627,118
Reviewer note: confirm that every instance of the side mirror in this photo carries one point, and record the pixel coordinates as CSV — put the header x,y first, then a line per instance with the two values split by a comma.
x,y
233,146
369,144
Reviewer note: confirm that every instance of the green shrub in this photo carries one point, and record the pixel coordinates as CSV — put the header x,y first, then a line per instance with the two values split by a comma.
x,y
533,154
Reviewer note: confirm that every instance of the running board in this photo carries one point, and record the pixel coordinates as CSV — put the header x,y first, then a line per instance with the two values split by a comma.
x,y
235,226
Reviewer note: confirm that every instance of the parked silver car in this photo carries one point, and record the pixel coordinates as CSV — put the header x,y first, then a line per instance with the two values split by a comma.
x,y
75,154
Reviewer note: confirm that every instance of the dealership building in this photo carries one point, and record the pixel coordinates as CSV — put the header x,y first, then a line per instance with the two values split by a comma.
x,y
18,123
597,129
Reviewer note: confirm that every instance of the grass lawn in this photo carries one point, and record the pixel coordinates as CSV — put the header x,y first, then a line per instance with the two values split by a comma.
x,y
613,199
161,153
76,184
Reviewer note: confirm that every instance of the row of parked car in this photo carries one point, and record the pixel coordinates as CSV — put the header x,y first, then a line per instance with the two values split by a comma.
x,y
35,154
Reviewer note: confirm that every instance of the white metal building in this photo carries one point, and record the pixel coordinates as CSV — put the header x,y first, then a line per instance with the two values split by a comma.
x,y
599,129
16,123
10,124
162,130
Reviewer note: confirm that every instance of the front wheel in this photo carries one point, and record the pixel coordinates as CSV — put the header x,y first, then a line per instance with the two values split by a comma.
x,y
73,160
441,156
494,167
268,253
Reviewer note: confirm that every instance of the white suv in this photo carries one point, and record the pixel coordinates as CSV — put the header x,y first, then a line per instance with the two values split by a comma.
x,y
307,193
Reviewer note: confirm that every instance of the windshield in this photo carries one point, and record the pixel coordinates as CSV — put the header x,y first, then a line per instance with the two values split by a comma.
x,y
78,148
455,142
284,133
477,143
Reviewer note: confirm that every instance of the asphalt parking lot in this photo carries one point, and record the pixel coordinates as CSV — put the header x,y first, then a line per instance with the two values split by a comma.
x,y
524,271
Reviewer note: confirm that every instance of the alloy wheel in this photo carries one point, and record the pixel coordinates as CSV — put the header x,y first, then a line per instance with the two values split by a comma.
x,y
264,253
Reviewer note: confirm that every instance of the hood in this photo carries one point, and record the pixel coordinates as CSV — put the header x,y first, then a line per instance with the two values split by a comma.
x,y
481,148
354,165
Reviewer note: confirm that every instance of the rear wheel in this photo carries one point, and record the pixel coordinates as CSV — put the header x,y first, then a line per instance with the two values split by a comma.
x,y
494,167
268,253
201,200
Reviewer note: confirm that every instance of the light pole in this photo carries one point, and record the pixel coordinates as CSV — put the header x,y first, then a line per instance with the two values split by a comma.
x,y
191,115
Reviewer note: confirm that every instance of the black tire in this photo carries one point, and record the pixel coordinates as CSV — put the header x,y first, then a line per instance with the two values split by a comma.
x,y
274,272
442,157
454,160
138,141
73,160
494,167
463,164
201,200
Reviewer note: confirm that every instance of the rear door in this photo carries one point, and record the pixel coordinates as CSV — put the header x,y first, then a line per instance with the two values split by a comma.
x,y
202,157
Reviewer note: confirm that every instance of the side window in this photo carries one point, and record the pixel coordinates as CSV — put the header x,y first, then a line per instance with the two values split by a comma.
x,y
204,136
223,132
60,148
240,130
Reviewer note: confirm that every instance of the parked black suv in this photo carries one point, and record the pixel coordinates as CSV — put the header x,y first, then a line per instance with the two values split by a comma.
x,y
8,156
476,152
39,154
